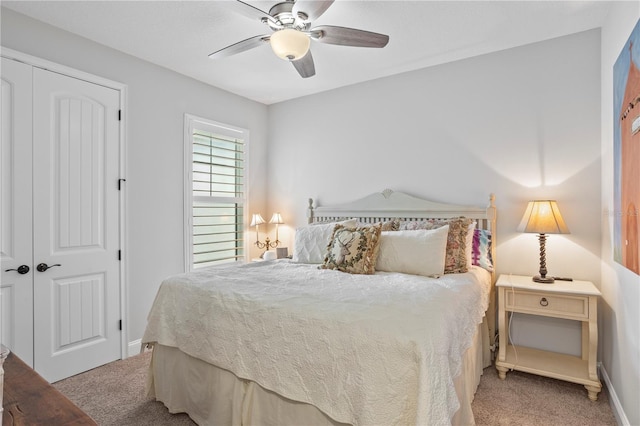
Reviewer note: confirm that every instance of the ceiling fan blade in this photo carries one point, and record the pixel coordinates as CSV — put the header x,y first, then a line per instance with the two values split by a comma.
x,y
311,8
252,12
305,66
240,46
348,36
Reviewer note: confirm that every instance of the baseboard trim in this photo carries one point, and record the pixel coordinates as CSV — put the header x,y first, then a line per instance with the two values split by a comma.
x,y
614,401
134,348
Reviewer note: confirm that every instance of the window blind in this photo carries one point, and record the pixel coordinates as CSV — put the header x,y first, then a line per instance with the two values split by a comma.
x,y
218,167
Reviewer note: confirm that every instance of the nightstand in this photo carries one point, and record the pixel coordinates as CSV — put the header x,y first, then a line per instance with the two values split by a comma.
x,y
573,300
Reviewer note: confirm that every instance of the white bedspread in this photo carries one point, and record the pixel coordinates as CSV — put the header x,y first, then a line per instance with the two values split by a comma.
x,y
380,349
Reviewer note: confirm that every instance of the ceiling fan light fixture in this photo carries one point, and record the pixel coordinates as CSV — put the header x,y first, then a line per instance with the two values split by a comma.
x,y
290,44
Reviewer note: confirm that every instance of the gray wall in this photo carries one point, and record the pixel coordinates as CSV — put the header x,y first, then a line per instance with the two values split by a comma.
x,y
157,101
620,304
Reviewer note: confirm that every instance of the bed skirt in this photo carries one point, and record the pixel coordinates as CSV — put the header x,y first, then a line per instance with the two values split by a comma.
x,y
214,396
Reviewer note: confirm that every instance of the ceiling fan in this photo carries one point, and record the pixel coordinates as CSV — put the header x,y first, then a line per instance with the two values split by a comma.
x,y
290,22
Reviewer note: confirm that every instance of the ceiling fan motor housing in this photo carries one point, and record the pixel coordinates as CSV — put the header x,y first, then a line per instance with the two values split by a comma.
x,y
285,18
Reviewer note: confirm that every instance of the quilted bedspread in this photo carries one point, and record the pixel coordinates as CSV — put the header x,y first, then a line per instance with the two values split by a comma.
x,y
377,349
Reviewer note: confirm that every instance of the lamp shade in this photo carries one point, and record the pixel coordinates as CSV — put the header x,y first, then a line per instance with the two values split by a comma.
x,y
543,217
290,44
257,220
277,219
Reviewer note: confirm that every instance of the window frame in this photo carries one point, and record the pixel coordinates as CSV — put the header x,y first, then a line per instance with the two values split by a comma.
x,y
192,122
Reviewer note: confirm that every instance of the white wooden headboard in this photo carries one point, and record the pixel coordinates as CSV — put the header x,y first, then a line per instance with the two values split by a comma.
x,y
388,205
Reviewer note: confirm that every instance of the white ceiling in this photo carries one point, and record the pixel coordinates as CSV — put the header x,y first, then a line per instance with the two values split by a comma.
x,y
179,35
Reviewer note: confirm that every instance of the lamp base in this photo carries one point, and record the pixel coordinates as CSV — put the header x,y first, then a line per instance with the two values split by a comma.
x,y
269,255
544,280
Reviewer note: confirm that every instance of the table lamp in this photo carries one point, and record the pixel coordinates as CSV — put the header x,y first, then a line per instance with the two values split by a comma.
x,y
543,217
258,220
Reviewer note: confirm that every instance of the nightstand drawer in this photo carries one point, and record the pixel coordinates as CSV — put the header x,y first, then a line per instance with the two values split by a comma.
x,y
560,306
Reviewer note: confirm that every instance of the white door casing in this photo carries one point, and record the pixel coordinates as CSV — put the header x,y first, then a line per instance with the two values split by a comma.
x,y
16,290
76,224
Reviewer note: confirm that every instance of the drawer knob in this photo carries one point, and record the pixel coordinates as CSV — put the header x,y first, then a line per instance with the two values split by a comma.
x,y
544,302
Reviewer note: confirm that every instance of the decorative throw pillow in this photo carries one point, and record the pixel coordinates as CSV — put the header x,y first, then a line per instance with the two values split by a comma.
x,y
420,252
353,250
481,250
456,260
311,241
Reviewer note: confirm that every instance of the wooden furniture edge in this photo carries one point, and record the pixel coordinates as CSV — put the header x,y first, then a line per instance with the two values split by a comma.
x,y
29,399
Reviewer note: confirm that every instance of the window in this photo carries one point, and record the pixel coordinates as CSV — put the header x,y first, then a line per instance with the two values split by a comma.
x,y
215,193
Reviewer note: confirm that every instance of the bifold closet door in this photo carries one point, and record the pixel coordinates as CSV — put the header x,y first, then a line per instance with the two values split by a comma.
x,y
60,290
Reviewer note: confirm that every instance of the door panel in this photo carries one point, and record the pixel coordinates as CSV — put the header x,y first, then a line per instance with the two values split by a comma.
x,y
16,290
79,179
76,225
79,318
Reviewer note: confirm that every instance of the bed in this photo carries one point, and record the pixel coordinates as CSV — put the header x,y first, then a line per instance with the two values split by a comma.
x,y
295,342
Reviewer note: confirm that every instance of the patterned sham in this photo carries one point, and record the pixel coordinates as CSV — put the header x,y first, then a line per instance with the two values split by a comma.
x,y
353,250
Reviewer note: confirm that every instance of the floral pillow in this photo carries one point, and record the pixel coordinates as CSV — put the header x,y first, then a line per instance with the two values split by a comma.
x,y
353,250
456,261
456,257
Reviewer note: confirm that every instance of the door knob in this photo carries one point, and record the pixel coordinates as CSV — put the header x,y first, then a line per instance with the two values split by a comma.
x,y
43,266
22,269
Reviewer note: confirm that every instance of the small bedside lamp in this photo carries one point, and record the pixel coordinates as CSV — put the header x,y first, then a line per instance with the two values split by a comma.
x,y
257,220
277,219
543,217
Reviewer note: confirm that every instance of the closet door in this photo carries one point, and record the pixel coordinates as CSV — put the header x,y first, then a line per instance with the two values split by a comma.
x,y
76,224
16,284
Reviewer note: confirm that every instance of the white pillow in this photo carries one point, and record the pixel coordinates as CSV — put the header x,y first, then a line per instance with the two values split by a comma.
x,y
419,252
311,241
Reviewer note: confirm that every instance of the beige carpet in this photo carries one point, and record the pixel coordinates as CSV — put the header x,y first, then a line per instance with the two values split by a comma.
x,y
114,395
527,399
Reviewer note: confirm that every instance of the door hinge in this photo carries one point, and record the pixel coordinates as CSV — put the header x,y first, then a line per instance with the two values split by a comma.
x,y
120,184
120,325
119,115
